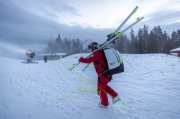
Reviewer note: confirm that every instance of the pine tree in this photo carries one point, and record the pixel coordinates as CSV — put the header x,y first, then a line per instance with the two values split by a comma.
x,y
160,40
174,40
141,41
152,42
133,42
178,38
58,43
164,43
145,38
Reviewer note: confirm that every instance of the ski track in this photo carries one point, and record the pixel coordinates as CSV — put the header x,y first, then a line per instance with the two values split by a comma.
x,y
149,88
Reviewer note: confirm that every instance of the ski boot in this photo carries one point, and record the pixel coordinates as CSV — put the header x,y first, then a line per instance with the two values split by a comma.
x,y
116,99
103,106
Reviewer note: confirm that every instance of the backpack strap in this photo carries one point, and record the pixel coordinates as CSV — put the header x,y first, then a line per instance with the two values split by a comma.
x,y
104,73
101,65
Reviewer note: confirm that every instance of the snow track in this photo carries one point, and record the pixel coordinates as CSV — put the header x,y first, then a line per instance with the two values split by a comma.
x,y
149,88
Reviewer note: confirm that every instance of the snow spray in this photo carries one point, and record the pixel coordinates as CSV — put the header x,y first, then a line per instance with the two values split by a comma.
x,y
11,50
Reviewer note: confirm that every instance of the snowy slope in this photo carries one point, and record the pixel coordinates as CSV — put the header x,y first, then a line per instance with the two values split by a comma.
x,y
149,89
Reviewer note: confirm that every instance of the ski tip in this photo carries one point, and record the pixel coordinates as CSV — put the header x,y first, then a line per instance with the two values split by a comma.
x,y
142,18
139,19
70,69
134,11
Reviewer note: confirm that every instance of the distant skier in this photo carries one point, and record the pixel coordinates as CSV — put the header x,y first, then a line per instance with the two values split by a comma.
x,y
45,59
100,65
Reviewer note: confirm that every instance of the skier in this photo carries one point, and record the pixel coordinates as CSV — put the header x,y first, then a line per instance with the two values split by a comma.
x,y
45,59
100,63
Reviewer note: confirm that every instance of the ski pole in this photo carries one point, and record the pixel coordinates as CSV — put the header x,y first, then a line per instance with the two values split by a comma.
x,y
85,67
78,63
74,66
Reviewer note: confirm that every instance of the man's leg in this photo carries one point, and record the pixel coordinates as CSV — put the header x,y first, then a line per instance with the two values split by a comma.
x,y
102,93
110,91
113,94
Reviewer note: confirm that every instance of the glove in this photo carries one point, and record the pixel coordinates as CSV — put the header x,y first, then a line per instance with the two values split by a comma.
x,y
81,59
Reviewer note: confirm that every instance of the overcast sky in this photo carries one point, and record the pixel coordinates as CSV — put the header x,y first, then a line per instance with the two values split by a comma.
x,y
31,23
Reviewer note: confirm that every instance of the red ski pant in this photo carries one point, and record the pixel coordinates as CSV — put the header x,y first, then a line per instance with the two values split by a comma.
x,y
103,89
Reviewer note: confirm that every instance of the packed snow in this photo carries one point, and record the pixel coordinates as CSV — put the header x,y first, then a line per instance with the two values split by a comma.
x,y
149,89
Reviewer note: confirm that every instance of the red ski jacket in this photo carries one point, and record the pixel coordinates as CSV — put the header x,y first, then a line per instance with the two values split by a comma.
x,y
97,56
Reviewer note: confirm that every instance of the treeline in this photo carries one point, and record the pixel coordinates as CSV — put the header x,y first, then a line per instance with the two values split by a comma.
x,y
144,41
69,46
153,41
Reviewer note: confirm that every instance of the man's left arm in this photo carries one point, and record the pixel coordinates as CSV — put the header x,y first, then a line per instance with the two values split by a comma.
x,y
87,60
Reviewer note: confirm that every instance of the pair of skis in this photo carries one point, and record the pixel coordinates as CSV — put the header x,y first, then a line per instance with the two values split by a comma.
x,y
114,36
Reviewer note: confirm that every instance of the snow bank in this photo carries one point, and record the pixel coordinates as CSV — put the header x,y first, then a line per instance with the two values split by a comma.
x,y
149,89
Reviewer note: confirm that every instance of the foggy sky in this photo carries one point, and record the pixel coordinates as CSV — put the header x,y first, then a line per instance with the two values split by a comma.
x,y
34,22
